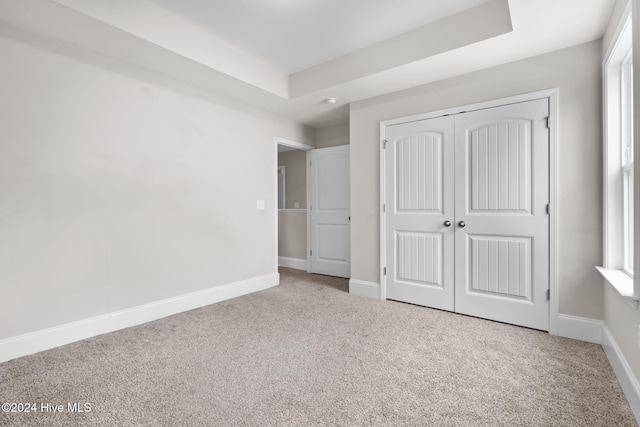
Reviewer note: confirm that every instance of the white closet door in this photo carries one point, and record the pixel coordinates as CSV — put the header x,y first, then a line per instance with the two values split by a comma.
x,y
420,199
502,225
466,224
330,213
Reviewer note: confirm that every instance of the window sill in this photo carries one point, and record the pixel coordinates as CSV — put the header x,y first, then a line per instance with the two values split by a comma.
x,y
621,282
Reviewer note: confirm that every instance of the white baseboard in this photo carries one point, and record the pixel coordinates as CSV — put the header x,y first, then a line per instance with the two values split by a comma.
x,y
597,332
627,380
364,289
579,328
45,339
297,263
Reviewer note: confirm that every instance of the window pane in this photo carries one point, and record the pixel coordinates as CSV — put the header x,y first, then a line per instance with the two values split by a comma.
x,y
628,218
630,140
626,148
626,98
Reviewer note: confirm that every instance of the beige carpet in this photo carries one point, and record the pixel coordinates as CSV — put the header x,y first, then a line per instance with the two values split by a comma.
x,y
307,353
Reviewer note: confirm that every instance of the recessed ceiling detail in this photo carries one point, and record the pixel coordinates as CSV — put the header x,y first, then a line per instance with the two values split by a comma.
x,y
461,36
479,23
297,34
203,43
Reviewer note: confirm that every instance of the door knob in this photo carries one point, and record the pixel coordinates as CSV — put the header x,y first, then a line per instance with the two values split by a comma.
x,y
447,223
461,224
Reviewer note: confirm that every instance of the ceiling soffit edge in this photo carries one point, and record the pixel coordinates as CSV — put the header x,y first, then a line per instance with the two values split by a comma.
x,y
481,23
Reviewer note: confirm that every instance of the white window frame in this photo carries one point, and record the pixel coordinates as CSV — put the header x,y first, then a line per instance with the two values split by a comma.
x,y
618,106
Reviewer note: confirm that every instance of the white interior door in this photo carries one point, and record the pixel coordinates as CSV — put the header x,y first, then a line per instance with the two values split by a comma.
x,y
329,212
485,174
502,225
419,212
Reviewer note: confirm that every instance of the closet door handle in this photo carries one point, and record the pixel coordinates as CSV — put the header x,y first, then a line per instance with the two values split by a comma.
x,y
447,223
461,224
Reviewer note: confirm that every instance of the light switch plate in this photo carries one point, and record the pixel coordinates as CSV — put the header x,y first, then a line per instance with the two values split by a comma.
x,y
260,205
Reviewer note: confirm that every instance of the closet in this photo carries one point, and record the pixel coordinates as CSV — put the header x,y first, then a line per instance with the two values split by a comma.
x,y
465,206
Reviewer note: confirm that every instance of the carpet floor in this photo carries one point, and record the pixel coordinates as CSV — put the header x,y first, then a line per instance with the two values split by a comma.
x,y
307,353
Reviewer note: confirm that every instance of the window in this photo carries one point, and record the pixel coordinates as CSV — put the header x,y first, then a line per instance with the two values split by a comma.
x,y
619,215
626,162
282,170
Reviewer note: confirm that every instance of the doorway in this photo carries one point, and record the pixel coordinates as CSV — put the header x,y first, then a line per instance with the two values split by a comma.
x,y
313,217
292,203
466,224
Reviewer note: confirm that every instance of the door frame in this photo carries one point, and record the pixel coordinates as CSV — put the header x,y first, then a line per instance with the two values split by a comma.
x,y
552,96
298,146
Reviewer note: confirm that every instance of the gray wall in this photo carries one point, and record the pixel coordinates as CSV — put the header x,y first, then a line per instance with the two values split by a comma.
x,y
292,234
577,73
117,189
295,177
332,136
292,226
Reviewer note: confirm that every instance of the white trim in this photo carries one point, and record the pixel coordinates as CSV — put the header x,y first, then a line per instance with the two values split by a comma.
x,y
309,243
620,280
297,263
383,217
615,39
597,332
635,34
275,204
553,96
46,339
292,144
579,328
554,132
364,289
545,93
627,380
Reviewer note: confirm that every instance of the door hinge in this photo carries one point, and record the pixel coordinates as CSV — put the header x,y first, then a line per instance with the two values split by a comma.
x,y
548,122
384,144
548,209
311,252
384,271
548,295
384,208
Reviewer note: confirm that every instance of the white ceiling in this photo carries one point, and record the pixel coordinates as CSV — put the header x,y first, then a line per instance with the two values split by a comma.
x,y
297,34
286,56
